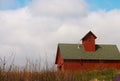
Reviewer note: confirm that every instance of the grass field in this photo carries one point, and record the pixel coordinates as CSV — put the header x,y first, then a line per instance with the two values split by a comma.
x,y
16,74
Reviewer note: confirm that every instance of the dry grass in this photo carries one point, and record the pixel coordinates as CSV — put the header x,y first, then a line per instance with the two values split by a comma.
x,y
25,75
33,72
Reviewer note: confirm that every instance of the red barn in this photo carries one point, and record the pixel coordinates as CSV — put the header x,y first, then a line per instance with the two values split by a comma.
x,y
87,56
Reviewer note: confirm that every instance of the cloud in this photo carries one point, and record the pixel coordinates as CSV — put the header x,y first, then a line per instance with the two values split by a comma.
x,y
106,24
35,30
59,8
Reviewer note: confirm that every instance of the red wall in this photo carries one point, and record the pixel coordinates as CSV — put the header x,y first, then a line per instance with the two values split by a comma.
x,y
90,65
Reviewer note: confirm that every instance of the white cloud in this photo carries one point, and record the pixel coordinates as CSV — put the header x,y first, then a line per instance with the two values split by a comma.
x,y
106,24
37,34
59,8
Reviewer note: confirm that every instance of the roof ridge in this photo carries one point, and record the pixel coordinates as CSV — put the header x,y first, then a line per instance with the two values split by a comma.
x,y
106,44
81,44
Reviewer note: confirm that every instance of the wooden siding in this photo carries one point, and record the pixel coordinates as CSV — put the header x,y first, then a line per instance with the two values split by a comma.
x,y
59,61
90,65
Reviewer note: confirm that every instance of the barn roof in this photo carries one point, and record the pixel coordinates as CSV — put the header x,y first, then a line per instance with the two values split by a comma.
x,y
89,33
103,52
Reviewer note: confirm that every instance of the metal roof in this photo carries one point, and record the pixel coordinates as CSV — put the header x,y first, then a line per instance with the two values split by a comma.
x,y
103,52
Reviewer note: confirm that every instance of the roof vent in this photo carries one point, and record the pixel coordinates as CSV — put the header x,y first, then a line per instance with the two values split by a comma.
x,y
78,45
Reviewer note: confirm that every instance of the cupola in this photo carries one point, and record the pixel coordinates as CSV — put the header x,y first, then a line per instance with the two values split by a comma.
x,y
88,42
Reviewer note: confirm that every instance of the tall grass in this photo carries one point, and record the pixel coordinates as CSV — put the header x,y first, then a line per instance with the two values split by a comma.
x,y
33,72
17,75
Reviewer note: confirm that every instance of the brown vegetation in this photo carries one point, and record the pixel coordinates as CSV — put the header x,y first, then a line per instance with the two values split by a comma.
x,y
33,72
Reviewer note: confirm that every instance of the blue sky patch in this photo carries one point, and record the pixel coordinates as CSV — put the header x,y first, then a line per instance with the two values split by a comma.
x,y
13,4
23,3
106,5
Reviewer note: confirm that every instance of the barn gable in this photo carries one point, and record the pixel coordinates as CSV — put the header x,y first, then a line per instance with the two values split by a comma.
x,y
59,58
88,34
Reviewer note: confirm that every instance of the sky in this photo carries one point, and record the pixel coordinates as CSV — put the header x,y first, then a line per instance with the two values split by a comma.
x,y
107,5
32,29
